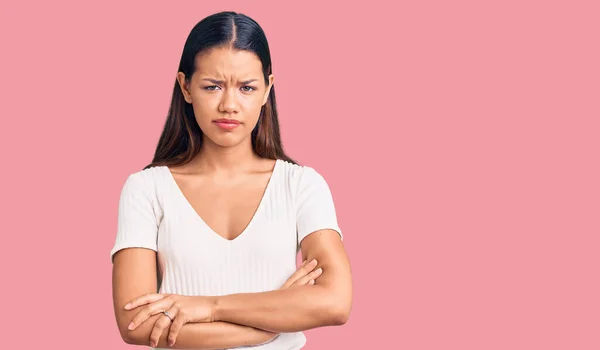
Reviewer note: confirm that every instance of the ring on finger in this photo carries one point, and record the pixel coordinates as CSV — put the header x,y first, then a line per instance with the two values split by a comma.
x,y
166,313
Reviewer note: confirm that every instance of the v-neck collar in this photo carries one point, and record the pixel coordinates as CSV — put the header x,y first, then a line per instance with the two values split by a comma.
x,y
193,211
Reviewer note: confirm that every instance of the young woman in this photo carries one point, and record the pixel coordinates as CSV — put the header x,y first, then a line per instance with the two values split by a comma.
x,y
208,233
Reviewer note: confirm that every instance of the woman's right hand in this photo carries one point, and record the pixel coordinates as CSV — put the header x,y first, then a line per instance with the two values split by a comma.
x,y
304,275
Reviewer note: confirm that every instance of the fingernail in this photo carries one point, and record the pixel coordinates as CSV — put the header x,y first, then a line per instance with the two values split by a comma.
x,y
127,306
311,282
171,342
319,270
314,261
152,344
130,326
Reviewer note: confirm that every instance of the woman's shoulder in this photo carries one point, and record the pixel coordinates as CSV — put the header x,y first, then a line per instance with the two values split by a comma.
x,y
296,174
148,174
147,180
291,171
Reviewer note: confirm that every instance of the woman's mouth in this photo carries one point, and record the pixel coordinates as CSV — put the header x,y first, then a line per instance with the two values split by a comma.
x,y
227,124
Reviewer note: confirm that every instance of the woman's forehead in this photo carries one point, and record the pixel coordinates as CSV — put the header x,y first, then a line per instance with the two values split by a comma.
x,y
229,63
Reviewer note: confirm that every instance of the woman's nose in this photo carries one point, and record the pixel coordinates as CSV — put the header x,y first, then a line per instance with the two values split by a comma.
x,y
229,101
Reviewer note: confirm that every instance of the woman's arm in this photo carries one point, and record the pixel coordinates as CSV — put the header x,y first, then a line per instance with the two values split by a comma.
x,y
326,303
214,335
134,274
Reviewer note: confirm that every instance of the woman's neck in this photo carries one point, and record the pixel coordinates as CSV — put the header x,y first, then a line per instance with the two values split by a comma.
x,y
215,159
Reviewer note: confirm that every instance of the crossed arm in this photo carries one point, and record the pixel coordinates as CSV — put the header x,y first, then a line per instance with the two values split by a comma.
x,y
134,274
246,318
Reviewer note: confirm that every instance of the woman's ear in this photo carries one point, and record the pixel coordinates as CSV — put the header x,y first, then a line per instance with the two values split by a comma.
x,y
268,91
184,87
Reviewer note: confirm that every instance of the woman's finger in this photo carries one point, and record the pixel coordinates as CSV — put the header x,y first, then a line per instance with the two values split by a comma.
x,y
150,310
145,299
311,276
302,271
160,325
292,278
178,322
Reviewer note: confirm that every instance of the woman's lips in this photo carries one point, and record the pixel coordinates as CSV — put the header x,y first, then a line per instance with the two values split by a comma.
x,y
227,124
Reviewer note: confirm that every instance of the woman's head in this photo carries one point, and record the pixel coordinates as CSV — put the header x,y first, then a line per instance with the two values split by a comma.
x,y
227,85
225,72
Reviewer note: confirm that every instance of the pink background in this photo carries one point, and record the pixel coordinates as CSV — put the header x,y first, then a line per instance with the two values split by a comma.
x,y
460,140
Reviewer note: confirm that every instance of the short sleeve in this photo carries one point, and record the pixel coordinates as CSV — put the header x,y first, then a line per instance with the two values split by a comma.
x,y
315,209
136,222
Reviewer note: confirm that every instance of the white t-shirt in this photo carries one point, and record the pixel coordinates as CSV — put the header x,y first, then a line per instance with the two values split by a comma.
x,y
194,260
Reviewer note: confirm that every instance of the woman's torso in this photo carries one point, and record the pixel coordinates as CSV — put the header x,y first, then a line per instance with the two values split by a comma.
x,y
193,259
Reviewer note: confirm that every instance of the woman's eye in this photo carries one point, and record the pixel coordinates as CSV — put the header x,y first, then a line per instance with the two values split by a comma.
x,y
244,88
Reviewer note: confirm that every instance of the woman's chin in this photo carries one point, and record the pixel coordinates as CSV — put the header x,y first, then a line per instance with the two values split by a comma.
x,y
226,139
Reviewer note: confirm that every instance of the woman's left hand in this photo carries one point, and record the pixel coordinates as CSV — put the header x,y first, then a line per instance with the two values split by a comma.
x,y
181,309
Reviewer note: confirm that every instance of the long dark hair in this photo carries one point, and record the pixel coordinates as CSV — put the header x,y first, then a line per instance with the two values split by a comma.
x,y
181,138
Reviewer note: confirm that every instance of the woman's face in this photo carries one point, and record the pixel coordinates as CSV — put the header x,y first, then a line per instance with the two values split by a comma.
x,y
227,92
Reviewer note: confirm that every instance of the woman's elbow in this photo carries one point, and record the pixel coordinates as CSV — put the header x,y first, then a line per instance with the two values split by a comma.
x,y
339,310
131,337
129,340
127,336
341,314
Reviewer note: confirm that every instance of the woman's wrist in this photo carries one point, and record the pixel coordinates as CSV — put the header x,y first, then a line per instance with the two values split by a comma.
x,y
269,337
214,307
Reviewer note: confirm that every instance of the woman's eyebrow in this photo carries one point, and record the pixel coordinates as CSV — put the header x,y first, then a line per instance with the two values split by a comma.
x,y
214,81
